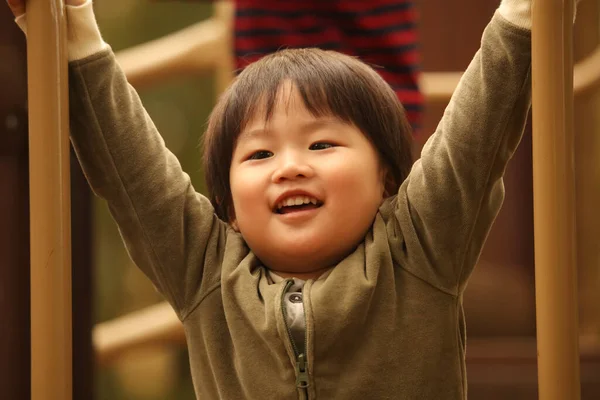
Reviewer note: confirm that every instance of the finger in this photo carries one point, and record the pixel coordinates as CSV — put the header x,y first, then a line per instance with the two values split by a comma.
x,y
17,7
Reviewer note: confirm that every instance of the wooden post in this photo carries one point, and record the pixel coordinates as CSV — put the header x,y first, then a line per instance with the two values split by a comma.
x,y
553,192
51,334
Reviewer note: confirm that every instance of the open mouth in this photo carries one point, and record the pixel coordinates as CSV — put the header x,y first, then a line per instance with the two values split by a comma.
x,y
296,208
296,204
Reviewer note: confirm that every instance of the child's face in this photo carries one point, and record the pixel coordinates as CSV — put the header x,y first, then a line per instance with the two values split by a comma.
x,y
297,157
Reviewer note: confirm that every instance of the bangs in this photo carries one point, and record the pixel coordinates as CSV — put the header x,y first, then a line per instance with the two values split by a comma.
x,y
327,84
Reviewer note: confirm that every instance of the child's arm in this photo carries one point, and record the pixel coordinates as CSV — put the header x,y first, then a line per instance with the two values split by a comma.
x,y
448,203
170,231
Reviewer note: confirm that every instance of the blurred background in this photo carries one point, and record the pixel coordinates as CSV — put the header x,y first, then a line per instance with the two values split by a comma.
x,y
500,299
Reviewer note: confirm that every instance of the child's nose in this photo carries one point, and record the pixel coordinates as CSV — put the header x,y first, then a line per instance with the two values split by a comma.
x,y
291,168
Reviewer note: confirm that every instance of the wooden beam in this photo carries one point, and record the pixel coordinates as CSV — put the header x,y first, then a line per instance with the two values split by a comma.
x,y
50,225
554,200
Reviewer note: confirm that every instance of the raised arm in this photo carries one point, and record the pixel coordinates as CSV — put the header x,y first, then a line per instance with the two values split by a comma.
x,y
445,209
170,231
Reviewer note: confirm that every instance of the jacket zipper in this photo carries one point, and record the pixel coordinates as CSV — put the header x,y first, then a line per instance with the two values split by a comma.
x,y
301,361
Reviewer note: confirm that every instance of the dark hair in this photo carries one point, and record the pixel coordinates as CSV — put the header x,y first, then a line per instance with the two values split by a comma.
x,y
331,84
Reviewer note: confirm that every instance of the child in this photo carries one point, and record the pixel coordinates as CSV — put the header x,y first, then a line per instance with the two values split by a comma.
x,y
322,266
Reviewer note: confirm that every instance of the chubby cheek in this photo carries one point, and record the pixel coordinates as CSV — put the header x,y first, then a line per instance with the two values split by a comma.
x,y
248,198
358,186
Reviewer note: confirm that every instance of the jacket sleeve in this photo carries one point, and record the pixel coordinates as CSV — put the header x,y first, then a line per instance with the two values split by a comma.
x,y
170,231
446,207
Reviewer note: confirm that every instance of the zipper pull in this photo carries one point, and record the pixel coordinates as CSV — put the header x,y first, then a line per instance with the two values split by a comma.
x,y
301,372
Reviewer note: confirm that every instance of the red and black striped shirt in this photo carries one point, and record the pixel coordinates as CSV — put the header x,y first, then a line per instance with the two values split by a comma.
x,y
382,33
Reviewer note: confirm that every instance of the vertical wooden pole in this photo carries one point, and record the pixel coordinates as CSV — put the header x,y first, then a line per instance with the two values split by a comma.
x,y
554,190
51,363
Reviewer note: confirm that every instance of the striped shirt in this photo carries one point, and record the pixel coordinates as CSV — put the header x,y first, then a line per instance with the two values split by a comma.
x,y
380,32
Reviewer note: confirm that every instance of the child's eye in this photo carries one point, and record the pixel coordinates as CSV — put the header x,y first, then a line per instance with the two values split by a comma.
x,y
321,146
259,155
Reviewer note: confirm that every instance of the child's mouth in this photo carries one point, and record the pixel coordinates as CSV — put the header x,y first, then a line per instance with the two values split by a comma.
x,y
301,207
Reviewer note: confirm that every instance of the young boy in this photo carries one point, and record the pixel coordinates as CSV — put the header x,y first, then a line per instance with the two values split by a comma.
x,y
322,266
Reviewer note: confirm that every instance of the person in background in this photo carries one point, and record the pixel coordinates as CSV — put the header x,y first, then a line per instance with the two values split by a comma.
x,y
382,33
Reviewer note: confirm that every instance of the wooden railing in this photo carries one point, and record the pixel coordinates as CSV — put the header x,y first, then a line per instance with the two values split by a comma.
x,y
49,194
557,308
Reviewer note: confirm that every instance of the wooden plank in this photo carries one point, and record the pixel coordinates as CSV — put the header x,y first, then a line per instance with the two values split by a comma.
x,y
50,224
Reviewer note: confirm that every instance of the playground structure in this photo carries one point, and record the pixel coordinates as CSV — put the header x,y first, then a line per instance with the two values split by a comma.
x,y
186,52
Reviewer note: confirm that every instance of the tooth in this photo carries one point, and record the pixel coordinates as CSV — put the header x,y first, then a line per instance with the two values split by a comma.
x,y
305,200
313,200
279,206
290,202
298,201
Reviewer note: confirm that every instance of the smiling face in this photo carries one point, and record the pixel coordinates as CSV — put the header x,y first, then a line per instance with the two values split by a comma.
x,y
325,167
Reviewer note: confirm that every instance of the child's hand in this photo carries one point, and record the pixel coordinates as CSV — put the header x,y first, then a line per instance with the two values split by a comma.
x,y
18,6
